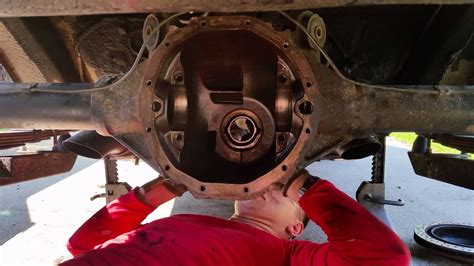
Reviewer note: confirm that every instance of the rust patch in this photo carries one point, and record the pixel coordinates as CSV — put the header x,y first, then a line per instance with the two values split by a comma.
x,y
18,168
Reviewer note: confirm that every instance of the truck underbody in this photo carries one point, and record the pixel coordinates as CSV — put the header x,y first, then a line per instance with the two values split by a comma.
x,y
229,99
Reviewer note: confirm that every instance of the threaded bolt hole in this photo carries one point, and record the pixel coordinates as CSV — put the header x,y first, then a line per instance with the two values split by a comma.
x,y
306,107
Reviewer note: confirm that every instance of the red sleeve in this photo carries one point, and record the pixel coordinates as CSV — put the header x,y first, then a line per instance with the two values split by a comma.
x,y
355,236
119,216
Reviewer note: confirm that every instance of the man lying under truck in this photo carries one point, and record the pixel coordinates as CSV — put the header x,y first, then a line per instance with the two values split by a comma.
x,y
260,232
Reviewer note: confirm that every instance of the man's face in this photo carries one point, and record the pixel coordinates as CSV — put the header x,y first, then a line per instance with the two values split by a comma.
x,y
278,211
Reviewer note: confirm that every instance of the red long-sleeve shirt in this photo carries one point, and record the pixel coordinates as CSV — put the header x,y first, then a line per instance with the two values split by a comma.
x,y
114,236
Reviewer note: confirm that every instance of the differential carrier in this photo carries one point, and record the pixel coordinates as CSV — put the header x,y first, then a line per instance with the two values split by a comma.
x,y
237,94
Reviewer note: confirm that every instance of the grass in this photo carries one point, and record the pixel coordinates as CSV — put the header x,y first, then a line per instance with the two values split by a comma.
x,y
410,137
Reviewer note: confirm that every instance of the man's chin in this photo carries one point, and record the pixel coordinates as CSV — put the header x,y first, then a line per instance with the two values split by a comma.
x,y
253,204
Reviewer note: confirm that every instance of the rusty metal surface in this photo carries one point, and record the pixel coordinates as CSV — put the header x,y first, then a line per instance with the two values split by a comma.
x,y
19,168
16,61
444,167
360,110
84,7
110,45
350,111
11,139
433,110
41,43
369,41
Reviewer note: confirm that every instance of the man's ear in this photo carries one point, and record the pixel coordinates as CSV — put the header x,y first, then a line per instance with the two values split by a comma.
x,y
295,229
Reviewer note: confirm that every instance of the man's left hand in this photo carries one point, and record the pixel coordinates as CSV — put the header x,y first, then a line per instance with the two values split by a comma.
x,y
158,191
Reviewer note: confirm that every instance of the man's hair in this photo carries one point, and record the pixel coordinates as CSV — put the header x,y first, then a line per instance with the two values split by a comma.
x,y
305,220
302,216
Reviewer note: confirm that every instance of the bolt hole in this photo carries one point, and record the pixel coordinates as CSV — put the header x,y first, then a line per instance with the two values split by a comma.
x,y
319,32
179,137
203,23
282,78
148,30
308,84
203,188
156,107
167,44
286,45
148,129
247,22
167,167
246,189
284,168
149,82
308,130
306,107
